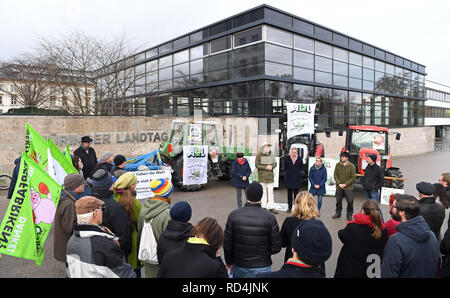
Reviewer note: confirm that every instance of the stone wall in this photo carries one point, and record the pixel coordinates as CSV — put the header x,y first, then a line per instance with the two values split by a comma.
x,y
133,136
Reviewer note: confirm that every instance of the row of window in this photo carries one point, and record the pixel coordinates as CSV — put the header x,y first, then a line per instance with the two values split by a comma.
x,y
267,98
13,100
298,25
270,51
435,112
438,95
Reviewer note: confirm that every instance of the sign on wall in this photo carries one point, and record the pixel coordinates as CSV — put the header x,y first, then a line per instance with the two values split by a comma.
x,y
300,118
195,165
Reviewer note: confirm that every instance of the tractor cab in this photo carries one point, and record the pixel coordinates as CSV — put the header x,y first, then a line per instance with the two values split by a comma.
x,y
363,140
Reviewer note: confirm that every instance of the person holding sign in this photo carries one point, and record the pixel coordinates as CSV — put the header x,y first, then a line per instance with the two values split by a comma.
x,y
345,176
265,163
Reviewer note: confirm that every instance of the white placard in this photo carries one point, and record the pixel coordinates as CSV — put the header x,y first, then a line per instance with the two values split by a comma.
x,y
143,189
254,175
386,193
330,165
195,165
280,206
300,118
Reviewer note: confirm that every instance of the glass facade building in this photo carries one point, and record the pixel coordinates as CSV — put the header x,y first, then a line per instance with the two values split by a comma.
x,y
255,62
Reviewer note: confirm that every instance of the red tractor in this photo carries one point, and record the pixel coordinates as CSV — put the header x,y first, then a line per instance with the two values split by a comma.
x,y
363,140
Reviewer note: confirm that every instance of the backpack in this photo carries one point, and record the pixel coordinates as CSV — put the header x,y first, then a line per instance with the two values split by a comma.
x,y
148,245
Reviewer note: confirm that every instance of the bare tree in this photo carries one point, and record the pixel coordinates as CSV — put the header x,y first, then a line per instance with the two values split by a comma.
x,y
92,72
31,79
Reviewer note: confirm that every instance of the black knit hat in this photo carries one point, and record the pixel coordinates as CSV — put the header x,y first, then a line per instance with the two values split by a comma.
x,y
100,179
119,159
254,192
312,242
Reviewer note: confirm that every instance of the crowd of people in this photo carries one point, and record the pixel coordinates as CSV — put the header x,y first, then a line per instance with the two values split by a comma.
x,y
99,224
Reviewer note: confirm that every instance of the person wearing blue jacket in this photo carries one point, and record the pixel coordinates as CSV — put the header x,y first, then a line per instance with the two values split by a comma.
x,y
413,252
318,178
241,171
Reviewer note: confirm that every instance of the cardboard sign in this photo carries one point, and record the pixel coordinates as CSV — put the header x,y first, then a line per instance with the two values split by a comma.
x,y
143,189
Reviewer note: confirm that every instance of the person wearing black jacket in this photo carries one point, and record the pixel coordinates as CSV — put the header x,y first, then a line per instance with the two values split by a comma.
x,y
251,236
14,177
434,213
293,175
199,257
114,216
87,155
178,229
311,246
373,179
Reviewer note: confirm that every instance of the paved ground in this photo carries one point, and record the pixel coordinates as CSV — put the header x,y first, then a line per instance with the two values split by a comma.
x,y
219,199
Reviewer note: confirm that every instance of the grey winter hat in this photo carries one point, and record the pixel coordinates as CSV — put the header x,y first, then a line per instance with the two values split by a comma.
x,y
72,181
106,155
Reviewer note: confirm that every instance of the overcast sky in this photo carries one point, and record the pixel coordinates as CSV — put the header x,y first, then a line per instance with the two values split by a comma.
x,y
416,30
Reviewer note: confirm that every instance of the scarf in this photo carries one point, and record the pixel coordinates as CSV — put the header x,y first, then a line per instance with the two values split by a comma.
x,y
297,262
241,161
363,219
294,160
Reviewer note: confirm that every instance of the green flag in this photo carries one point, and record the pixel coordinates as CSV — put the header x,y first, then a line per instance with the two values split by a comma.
x,y
67,154
30,213
36,146
58,165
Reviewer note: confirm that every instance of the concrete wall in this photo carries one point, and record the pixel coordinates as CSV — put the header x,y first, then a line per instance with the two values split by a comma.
x,y
133,136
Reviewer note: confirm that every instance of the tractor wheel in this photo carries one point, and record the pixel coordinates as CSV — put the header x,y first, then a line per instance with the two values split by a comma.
x,y
177,176
396,173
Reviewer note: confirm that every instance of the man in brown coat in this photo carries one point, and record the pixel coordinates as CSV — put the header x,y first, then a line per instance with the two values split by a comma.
x,y
66,216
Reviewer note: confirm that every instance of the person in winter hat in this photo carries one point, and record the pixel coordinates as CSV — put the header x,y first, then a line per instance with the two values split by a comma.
x,y
156,209
251,236
311,246
434,213
373,179
178,229
124,190
120,163
265,162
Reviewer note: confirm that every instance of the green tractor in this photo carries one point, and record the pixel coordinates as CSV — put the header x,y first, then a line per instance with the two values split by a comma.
x,y
198,133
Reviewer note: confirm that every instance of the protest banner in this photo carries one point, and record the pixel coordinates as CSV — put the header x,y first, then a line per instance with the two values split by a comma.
x,y
30,213
386,193
300,118
143,189
195,165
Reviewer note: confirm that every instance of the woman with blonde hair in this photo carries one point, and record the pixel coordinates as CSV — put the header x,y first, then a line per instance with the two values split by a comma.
x,y
305,208
125,193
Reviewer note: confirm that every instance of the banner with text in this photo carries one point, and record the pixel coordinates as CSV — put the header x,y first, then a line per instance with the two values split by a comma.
x,y
300,118
30,213
143,189
195,165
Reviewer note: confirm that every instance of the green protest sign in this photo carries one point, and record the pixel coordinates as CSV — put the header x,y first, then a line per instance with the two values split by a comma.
x,y
30,213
